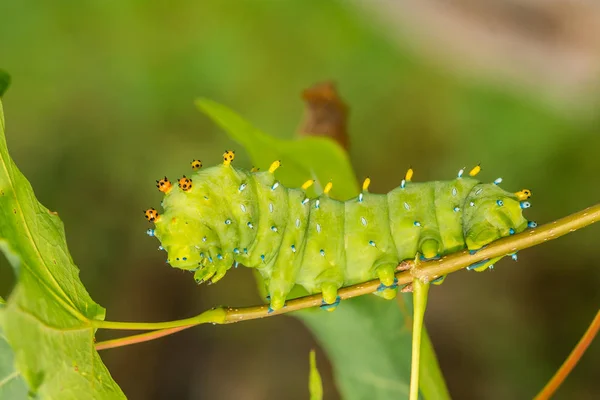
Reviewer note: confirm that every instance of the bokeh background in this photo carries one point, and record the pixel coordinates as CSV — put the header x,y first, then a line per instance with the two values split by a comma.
x,y
102,105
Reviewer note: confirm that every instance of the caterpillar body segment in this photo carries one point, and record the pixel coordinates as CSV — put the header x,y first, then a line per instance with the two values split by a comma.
x,y
222,215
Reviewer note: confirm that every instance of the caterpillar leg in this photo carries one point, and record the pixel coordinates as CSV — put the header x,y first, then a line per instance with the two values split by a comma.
x,y
387,293
483,265
205,272
220,271
388,288
439,280
430,249
330,297
277,300
221,264
386,275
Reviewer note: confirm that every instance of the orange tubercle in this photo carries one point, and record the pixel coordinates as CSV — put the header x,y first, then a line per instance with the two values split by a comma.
x,y
151,215
185,183
164,185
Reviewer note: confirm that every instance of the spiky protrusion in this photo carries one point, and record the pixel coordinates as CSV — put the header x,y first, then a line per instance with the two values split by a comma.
x,y
196,165
523,194
164,185
476,169
185,183
228,157
151,215
274,166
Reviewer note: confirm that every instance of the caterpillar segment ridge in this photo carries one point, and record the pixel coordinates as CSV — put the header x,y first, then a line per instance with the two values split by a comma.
x,y
223,216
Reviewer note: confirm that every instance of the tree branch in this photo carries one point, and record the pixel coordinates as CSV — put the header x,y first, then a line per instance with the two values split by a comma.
x,y
426,271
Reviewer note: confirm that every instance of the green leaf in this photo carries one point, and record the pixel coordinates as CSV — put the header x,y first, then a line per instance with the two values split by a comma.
x,y
48,317
4,82
307,158
12,384
368,339
315,385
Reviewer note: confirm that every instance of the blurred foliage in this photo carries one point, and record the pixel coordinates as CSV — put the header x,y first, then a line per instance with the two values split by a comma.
x,y
315,385
12,384
47,320
4,82
101,105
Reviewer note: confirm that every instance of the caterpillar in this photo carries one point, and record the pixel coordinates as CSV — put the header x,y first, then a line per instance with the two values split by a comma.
x,y
223,216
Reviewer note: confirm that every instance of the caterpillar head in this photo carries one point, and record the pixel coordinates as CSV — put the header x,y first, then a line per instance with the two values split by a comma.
x,y
491,213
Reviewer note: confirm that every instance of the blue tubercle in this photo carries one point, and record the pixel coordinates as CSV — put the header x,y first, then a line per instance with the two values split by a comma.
x,y
514,256
382,287
325,306
532,224
150,232
525,204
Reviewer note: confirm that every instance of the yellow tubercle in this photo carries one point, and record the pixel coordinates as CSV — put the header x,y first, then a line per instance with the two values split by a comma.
x,y
475,170
228,157
328,188
254,169
308,184
523,194
274,166
409,175
196,165
366,184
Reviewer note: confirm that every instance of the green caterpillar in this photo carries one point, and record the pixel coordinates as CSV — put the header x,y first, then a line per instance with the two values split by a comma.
x,y
222,216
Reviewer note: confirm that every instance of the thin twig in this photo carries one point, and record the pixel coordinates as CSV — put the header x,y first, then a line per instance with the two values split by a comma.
x,y
571,361
420,290
427,271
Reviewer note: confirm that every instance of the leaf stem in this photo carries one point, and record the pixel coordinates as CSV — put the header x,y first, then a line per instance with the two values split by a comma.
x,y
420,290
571,361
427,271
143,337
215,315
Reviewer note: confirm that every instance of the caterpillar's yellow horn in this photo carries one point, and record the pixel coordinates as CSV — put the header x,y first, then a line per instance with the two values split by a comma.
x,y
409,175
328,188
274,166
308,184
475,170
523,194
366,184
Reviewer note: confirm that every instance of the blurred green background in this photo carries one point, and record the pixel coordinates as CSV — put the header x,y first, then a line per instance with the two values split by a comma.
x,y
101,105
